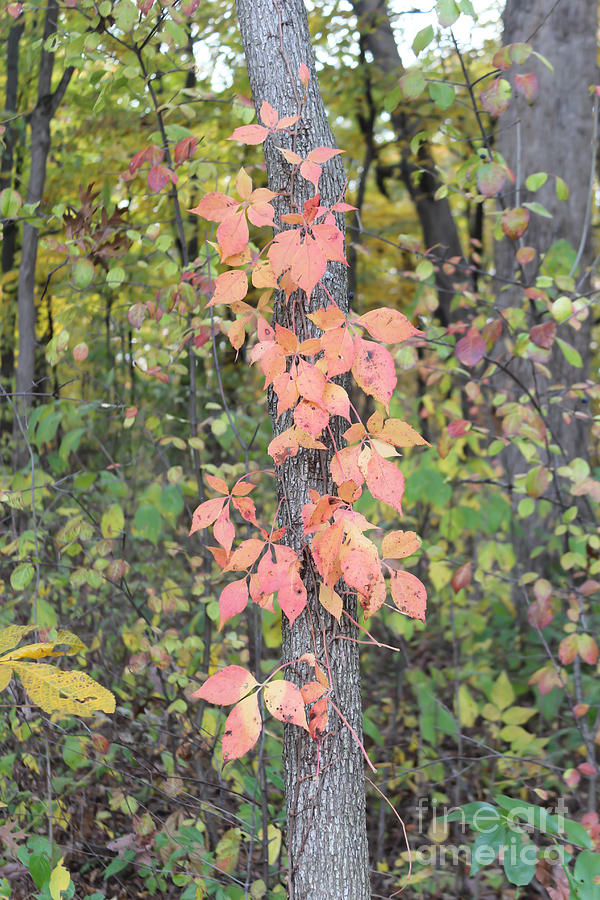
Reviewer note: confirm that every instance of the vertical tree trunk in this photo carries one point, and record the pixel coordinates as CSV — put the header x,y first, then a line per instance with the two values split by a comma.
x,y
39,121
9,228
440,234
553,135
325,797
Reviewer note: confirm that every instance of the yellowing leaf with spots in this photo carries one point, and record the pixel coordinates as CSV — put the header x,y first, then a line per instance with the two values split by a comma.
x,y
11,636
60,880
72,693
284,701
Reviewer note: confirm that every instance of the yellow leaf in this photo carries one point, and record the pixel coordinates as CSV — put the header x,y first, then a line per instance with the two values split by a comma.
x,y
60,880
5,675
468,709
10,637
331,601
66,692
71,640
502,693
33,651
491,713
517,715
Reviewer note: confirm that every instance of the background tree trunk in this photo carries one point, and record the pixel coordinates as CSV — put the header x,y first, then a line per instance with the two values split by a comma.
x,y
554,135
327,841
39,121
440,234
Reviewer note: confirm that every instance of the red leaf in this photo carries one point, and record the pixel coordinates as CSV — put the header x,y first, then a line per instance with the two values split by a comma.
x,y
471,348
308,265
284,701
242,728
312,691
159,177
233,600
224,531
496,98
249,134
409,594
205,514
232,234
361,568
458,428
338,347
374,370
268,115
588,769
226,686
567,649
388,325
304,74
543,335
217,484
321,155
326,547
318,719
588,649
461,578
185,149
311,418
344,466
292,596
385,481
528,85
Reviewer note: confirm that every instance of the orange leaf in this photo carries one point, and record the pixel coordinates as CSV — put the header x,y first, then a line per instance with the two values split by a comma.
x,y
336,401
217,484
318,719
409,594
242,728
244,556
283,446
284,701
326,319
312,691
374,371
401,434
385,481
388,325
268,115
308,265
310,382
224,531
230,287
233,600
227,686
205,514
214,206
398,544
326,548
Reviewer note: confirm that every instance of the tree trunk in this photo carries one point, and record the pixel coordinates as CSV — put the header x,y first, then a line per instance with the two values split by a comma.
x,y
39,121
440,234
9,228
325,797
553,135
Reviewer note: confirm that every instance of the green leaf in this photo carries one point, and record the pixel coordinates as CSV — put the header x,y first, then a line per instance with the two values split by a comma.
x,y
412,84
534,182
467,7
569,352
83,273
442,94
487,847
562,189
423,38
448,12
118,864
148,522
393,99
480,815
39,869
538,209
587,868
21,576
10,203
520,857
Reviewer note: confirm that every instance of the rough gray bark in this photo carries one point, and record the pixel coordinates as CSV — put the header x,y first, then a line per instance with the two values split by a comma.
x,y
554,135
327,841
39,122
440,234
